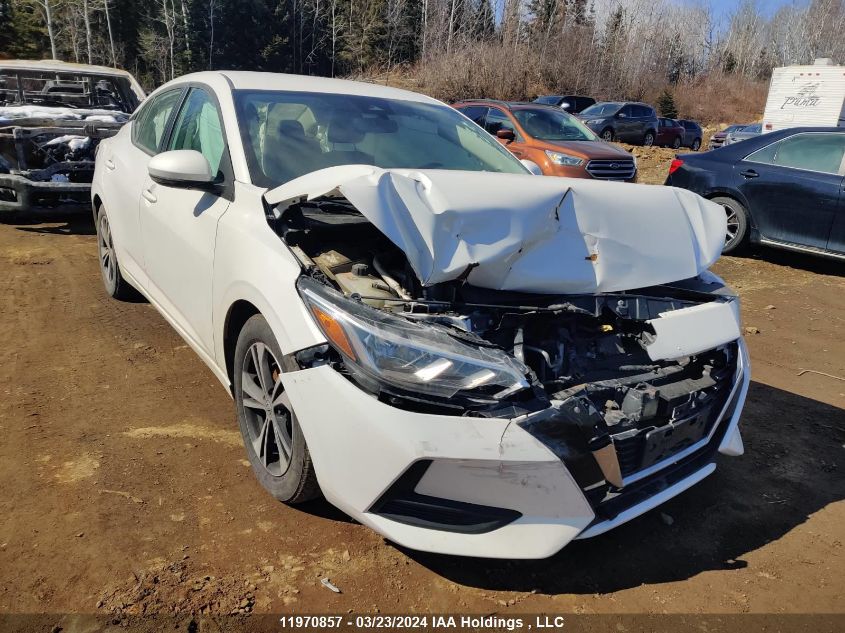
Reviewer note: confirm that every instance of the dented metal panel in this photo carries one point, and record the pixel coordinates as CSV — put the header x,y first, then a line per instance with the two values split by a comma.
x,y
518,232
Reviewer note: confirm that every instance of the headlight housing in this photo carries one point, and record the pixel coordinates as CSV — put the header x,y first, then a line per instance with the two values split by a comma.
x,y
563,159
412,357
595,121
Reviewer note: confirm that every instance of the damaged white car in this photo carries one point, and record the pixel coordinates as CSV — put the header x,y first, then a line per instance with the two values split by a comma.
x,y
53,114
465,357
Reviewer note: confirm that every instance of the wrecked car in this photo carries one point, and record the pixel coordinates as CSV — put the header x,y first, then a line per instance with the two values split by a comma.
x,y
467,358
52,117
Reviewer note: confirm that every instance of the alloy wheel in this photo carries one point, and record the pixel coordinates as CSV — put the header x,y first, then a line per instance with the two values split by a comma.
x,y
607,135
105,248
733,225
267,409
648,141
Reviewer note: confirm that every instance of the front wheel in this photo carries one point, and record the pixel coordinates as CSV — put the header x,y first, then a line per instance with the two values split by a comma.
x,y
648,139
116,286
737,230
607,135
696,145
274,443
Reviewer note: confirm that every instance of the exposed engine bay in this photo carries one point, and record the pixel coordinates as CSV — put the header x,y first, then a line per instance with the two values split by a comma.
x,y
610,410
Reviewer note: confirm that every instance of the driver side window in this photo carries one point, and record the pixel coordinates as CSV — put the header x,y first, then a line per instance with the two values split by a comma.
x,y
198,127
150,125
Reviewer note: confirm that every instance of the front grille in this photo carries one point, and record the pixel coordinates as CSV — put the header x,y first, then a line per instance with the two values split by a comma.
x,y
622,169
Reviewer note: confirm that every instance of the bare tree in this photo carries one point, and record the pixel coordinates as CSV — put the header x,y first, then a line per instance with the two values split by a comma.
x,y
46,8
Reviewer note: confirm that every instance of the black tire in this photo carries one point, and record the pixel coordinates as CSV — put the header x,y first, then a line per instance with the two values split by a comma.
x,y
696,145
648,139
273,439
676,144
607,135
116,286
737,236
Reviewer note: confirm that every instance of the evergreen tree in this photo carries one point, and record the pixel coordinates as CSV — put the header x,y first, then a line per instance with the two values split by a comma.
x,y
666,105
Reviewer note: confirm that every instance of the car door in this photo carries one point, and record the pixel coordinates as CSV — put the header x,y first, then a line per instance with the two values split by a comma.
x,y
794,187
125,159
179,225
626,124
497,119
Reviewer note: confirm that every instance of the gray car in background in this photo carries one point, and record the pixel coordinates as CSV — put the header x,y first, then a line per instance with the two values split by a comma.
x,y
749,131
622,121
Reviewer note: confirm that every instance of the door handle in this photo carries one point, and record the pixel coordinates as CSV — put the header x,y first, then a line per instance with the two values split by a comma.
x,y
110,164
749,173
149,196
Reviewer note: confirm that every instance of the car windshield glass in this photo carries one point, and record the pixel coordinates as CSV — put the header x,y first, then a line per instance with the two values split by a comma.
x,y
601,109
754,129
734,128
553,125
550,100
288,134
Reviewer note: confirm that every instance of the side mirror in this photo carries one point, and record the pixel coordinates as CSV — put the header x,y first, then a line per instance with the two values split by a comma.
x,y
505,135
621,115
184,168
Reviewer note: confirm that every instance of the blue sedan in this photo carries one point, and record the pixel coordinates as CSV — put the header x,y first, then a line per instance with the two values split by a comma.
x,y
784,189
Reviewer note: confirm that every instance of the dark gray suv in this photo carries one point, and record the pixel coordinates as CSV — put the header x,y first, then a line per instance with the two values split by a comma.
x,y
622,121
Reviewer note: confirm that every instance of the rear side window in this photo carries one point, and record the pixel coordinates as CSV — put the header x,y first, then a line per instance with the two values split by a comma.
x,y
476,113
817,152
198,127
643,111
151,124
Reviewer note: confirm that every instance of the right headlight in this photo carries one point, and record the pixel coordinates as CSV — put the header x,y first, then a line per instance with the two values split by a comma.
x,y
417,358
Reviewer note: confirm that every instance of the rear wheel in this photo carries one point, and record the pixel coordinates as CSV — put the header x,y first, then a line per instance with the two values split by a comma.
x,y
274,443
607,135
116,286
648,139
676,144
696,145
736,234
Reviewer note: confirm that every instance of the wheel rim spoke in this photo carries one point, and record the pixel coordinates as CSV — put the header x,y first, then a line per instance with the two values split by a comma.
x,y
266,408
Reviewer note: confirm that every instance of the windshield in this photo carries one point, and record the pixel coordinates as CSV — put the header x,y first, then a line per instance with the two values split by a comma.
x,y
734,128
755,128
288,134
601,109
552,125
551,100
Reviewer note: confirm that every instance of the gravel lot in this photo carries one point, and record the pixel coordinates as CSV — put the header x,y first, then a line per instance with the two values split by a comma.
x,y
126,488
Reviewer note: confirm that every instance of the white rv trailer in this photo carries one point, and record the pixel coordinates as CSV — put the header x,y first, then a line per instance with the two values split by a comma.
x,y
806,96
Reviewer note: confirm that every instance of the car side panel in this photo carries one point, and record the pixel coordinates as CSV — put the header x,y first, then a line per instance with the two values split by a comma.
x,y
251,263
791,205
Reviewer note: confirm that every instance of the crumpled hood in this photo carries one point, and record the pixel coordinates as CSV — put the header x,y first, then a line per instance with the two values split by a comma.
x,y
528,233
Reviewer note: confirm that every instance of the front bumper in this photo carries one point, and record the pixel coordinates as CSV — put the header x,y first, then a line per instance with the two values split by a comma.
x,y
18,193
364,450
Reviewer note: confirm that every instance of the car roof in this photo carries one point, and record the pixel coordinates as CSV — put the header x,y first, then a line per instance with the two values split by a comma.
x,y
250,80
55,65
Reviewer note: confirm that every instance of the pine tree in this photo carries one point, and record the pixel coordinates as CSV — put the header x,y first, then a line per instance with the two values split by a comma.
x,y
666,104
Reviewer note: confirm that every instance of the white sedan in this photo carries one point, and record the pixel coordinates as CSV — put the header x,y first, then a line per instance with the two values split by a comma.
x,y
463,356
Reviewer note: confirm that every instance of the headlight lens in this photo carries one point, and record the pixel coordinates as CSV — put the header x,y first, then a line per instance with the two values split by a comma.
x,y
423,359
564,159
594,122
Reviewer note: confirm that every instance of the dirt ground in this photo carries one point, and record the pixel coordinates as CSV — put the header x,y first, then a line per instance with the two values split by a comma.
x,y
126,489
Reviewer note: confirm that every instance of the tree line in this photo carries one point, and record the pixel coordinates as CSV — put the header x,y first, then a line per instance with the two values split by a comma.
x,y
626,49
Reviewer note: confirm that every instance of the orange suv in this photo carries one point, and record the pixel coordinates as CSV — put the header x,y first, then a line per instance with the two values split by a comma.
x,y
556,142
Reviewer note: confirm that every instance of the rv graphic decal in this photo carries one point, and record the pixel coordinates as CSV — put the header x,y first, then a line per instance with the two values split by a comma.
x,y
806,97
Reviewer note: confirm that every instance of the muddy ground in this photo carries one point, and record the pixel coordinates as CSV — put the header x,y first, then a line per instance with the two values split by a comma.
x,y
125,488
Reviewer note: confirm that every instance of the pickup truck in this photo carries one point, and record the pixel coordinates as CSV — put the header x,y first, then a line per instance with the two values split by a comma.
x,y
53,115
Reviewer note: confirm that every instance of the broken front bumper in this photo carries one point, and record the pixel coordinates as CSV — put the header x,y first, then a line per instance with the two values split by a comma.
x,y
475,486
18,193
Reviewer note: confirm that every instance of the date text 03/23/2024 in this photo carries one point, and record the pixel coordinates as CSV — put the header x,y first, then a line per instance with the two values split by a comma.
x,y
540,622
